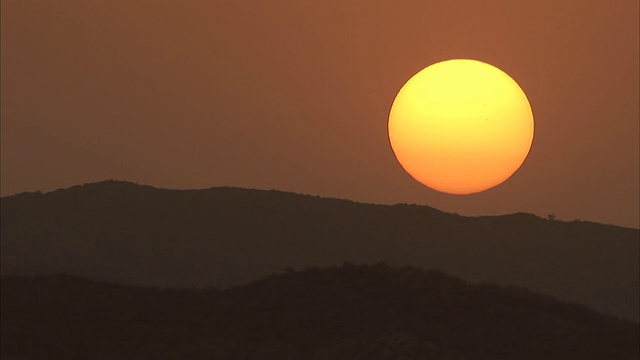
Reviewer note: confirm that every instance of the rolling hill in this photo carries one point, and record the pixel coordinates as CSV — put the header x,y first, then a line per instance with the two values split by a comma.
x,y
349,312
133,234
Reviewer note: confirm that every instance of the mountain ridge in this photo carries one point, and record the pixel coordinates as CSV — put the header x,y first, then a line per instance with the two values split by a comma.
x,y
134,185
143,235
347,312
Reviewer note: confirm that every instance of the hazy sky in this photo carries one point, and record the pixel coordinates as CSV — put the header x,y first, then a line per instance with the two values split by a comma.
x,y
294,95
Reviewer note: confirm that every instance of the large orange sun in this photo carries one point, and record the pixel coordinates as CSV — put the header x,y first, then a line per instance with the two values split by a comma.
x,y
461,126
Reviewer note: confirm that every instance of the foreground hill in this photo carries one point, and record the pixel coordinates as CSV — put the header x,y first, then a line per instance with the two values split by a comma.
x,y
352,312
127,233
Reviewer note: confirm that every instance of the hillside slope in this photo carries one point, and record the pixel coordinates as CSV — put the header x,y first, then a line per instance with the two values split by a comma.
x,y
127,233
352,312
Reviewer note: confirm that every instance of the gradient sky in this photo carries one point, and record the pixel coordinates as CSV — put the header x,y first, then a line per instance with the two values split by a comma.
x,y
294,95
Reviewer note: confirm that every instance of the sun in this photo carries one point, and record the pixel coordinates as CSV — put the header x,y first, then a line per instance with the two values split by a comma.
x,y
461,126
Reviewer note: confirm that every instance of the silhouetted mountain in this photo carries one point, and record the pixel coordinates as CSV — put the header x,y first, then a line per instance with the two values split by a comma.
x,y
127,233
351,312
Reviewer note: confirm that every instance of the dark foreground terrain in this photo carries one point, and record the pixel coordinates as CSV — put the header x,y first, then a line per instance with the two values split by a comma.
x,y
350,312
139,235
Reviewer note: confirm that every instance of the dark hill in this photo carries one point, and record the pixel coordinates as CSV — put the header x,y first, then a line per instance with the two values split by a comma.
x,y
352,312
127,233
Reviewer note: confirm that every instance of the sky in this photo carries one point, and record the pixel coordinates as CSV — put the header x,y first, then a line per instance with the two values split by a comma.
x,y
295,95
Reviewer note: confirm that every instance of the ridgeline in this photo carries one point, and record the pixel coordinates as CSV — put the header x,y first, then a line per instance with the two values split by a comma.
x,y
132,234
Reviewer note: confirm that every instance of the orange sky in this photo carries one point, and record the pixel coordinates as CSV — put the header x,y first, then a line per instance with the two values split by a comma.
x,y
294,95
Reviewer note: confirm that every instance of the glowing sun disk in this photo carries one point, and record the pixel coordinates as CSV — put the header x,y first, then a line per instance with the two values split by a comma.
x,y
461,126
